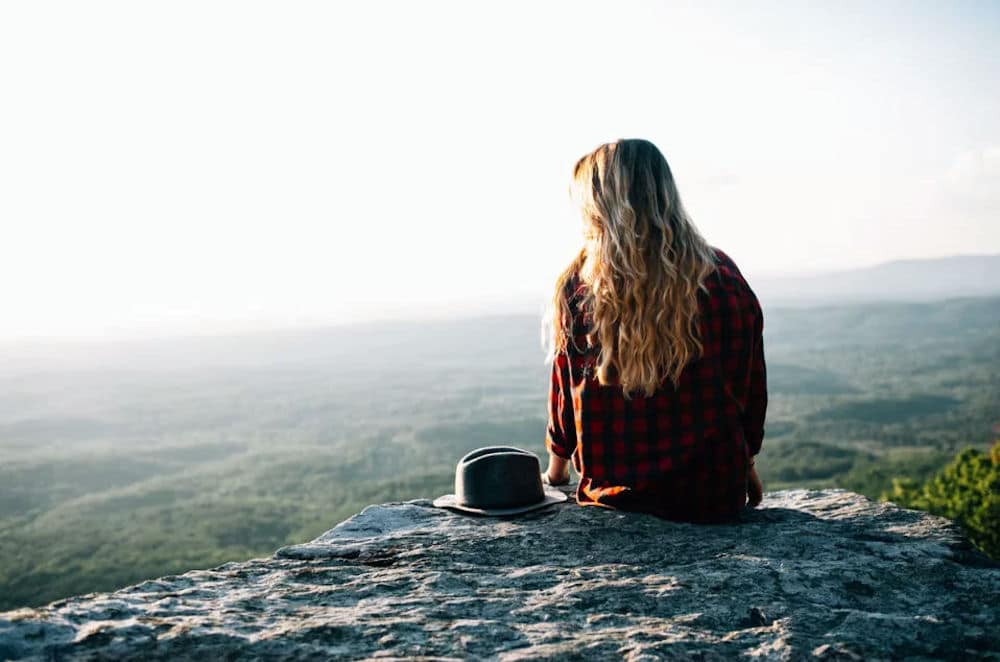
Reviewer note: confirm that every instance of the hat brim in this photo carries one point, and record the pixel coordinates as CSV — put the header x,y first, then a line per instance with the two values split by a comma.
x,y
552,496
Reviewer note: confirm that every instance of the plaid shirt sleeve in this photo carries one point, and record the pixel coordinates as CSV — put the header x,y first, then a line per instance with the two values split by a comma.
x,y
756,405
560,434
748,370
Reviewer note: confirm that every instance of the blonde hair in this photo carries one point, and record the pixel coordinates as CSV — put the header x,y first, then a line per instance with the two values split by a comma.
x,y
639,271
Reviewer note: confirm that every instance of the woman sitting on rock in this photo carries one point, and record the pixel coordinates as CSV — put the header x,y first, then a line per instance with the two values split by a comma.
x,y
658,386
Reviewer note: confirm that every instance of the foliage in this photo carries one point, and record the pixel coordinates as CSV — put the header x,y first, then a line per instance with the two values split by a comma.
x,y
873,475
967,490
808,460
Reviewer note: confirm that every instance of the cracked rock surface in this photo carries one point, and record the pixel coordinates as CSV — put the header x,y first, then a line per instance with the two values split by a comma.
x,y
822,574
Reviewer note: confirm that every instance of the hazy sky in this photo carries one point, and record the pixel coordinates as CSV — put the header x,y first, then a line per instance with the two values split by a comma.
x,y
193,166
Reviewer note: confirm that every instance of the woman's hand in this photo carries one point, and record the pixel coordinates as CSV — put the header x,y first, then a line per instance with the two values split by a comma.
x,y
755,489
558,471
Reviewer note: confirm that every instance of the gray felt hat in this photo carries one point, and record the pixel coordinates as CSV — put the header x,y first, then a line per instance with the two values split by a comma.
x,y
499,480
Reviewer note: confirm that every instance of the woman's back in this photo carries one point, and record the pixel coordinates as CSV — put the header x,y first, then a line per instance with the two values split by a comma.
x,y
684,451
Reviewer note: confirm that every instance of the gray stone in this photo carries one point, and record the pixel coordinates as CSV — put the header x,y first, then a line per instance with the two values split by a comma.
x,y
756,617
811,574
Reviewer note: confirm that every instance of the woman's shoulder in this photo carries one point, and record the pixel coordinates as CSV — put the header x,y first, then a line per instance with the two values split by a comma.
x,y
729,275
573,295
574,289
725,264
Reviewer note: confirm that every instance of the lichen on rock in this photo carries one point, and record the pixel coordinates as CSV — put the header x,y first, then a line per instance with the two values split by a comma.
x,y
822,573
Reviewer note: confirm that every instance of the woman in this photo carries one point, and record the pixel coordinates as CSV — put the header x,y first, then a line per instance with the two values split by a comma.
x,y
658,386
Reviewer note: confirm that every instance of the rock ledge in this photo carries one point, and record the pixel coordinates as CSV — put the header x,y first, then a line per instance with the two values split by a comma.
x,y
826,574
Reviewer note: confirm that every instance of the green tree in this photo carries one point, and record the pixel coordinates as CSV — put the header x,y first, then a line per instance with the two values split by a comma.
x,y
966,490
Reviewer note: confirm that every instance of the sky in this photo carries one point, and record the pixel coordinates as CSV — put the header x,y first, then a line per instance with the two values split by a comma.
x,y
196,167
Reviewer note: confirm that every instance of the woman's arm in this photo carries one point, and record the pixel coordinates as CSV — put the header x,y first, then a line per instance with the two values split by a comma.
x,y
756,402
558,471
560,433
755,488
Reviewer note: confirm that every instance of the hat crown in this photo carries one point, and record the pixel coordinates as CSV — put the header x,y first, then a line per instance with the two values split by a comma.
x,y
497,477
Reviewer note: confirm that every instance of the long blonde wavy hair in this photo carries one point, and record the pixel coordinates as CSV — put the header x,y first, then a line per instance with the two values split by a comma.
x,y
641,266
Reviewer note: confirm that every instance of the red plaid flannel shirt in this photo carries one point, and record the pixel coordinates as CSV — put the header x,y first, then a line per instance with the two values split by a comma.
x,y
682,453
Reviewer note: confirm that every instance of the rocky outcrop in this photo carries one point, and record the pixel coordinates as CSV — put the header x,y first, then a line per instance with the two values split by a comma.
x,y
825,574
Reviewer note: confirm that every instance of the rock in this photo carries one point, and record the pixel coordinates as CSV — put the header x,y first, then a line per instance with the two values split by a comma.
x,y
756,617
837,575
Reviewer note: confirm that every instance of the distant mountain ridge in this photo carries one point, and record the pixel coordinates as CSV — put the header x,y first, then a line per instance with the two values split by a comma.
x,y
900,280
